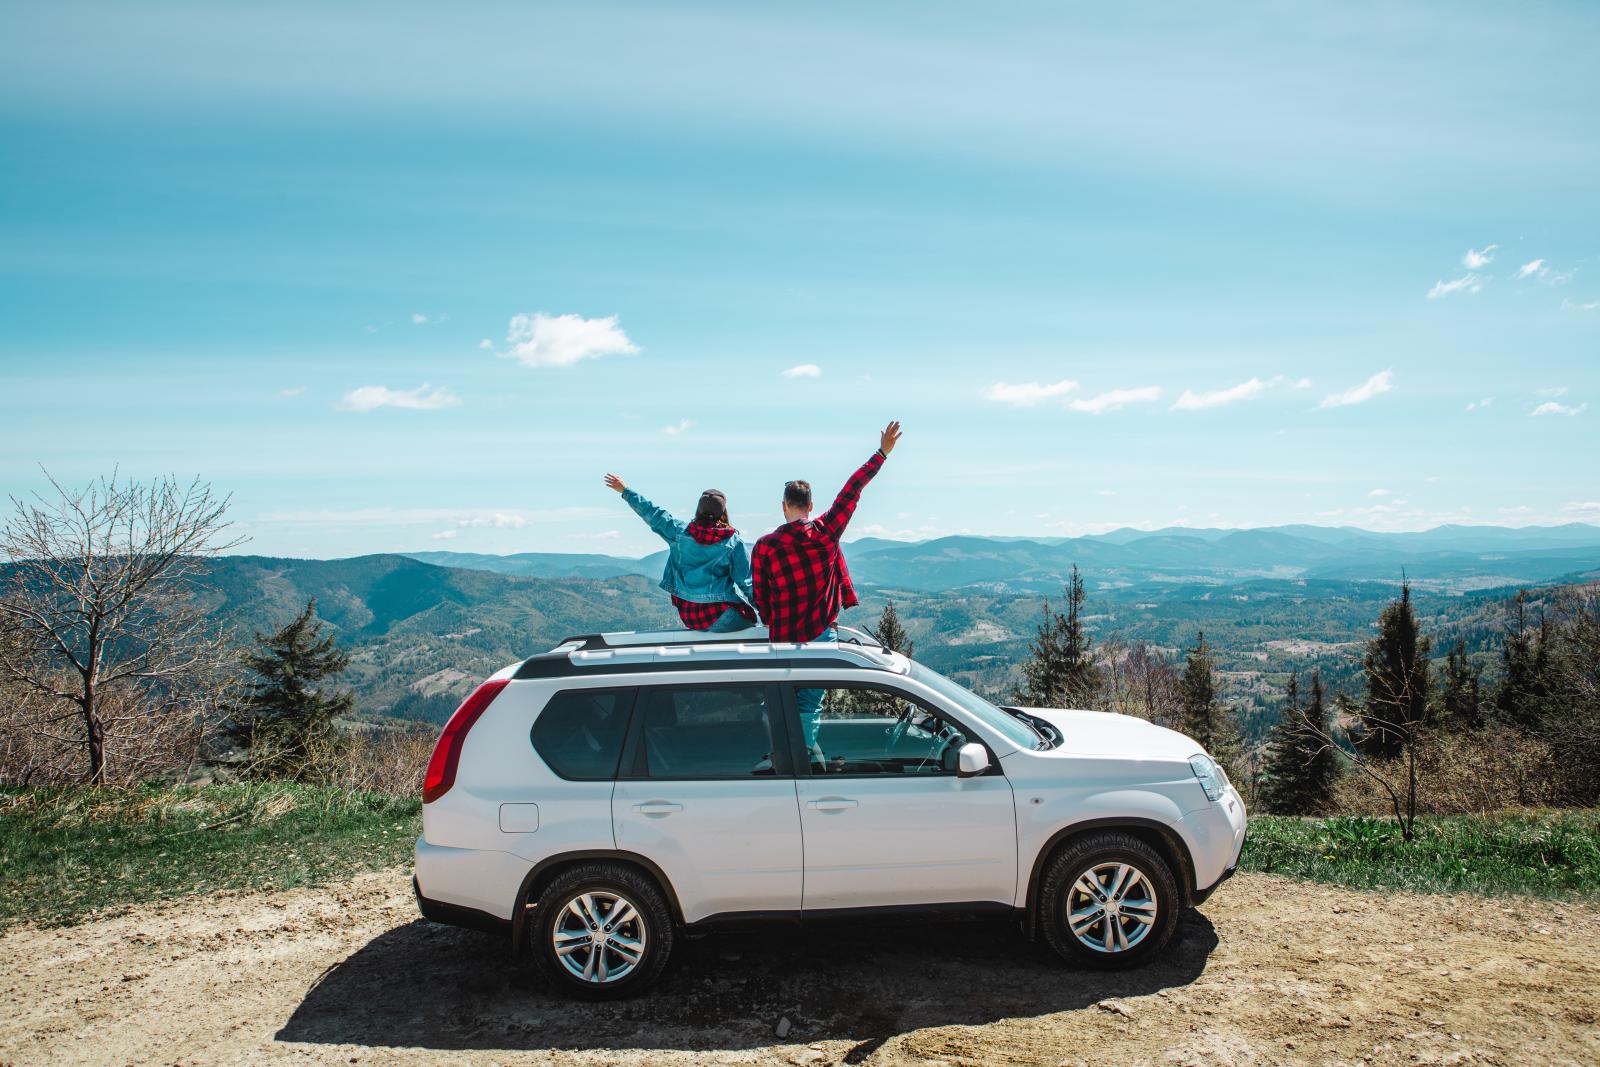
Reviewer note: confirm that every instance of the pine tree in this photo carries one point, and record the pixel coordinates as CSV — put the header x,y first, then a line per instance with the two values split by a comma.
x,y
287,723
1060,669
1461,698
891,634
1197,694
1301,764
1520,698
1396,669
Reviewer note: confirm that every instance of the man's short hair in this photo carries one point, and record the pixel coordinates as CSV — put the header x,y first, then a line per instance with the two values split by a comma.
x,y
797,493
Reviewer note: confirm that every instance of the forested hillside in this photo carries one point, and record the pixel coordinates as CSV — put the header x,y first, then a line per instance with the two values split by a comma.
x,y
420,635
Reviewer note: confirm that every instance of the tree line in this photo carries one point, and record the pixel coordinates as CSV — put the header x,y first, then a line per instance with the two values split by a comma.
x,y
1409,715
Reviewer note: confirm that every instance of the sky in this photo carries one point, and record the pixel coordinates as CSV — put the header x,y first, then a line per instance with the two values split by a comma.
x,y
404,277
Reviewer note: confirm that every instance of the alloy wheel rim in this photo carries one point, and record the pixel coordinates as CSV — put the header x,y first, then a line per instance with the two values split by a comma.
x,y
599,937
1112,907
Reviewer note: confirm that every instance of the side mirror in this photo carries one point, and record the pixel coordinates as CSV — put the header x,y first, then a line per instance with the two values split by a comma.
x,y
972,760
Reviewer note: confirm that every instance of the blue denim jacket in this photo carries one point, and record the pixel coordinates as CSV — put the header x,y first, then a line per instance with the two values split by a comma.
x,y
703,574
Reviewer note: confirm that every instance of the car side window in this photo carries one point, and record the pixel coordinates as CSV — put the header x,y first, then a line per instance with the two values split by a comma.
x,y
722,731
864,730
579,733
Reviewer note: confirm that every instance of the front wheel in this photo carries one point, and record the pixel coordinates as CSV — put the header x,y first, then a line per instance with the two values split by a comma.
x,y
602,931
1108,901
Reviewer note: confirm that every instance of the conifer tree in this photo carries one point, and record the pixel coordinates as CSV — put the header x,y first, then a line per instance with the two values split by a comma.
x,y
1524,668
1396,669
287,722
1301,763
1060,669
891,634
1461,696
1197,694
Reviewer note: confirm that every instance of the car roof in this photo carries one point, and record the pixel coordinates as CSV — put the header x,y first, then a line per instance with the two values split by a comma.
x,y
653,651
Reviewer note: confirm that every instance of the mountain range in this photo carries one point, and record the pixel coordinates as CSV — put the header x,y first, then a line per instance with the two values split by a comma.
x,y
1447,558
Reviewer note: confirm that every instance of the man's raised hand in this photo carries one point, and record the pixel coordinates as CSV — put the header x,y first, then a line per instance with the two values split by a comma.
x,y
614,483
890,438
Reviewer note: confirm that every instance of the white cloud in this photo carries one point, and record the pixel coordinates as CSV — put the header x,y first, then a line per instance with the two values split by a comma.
x,y
418,318
1529,270
1521,509
498,520
606,535
1192,401
292,391
1475,405
443,535
541,340
1301,383
423,398
1116,399
1467,283
1105,492
1551,407
1553,391
1381,382
486,344
1581,507
1027,394
683,426
1478,260
804,370
1380,492
1573,305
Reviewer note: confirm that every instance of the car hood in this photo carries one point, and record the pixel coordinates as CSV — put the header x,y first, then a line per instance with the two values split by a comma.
x,y
1104,733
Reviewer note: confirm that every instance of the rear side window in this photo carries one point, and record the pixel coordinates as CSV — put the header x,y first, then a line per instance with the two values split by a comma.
x,y
580,732
711,732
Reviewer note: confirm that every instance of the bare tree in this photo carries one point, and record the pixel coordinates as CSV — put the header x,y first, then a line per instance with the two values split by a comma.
x,y
1399,778
102,629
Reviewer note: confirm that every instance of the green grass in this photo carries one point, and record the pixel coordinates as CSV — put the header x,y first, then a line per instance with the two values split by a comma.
x,y
1554,854
67,853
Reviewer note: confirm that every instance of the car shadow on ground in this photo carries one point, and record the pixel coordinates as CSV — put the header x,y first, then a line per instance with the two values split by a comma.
x,y
429,986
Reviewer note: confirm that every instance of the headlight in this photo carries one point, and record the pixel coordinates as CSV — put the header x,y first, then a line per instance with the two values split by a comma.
x,y
1211,777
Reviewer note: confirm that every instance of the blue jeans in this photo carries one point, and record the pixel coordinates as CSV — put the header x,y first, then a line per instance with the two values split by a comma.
x,y
809,701
728,622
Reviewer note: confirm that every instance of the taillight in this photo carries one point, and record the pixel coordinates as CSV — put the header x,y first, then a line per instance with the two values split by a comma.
x,y
447,753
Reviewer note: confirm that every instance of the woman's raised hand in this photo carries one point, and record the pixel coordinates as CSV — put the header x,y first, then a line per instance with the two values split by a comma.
x,y
614,483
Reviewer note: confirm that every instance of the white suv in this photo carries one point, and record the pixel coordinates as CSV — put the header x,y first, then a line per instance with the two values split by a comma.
x,y
598,801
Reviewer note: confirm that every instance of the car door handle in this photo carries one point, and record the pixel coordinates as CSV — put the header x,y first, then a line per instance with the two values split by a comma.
x,y
831,805
657,808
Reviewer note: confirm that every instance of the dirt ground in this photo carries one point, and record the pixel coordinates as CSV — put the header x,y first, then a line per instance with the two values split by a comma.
x,y
1271,971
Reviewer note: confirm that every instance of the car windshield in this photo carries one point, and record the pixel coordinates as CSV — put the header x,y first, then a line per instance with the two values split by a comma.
x,y
1002,722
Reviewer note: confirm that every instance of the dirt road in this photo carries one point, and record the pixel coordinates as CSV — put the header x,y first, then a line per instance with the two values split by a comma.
x,y
1272,971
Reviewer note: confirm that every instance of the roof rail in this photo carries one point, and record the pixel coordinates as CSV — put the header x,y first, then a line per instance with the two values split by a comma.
x,y
647,652
655,638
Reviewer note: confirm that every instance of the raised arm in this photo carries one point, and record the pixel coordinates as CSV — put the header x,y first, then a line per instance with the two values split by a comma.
x,y
660,520
834,521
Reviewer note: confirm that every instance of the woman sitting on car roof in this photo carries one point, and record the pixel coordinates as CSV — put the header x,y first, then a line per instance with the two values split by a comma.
x,y
708,566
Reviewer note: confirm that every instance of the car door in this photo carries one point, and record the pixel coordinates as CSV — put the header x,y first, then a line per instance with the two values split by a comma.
x,y
708,795
884,816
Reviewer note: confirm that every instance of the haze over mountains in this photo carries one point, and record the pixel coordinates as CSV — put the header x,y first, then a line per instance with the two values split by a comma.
x,y
1447,558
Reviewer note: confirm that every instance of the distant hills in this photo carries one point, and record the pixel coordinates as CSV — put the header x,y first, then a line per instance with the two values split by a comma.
x,y
1447,558
422,630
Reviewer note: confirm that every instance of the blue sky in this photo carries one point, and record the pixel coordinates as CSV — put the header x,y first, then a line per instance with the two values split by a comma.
x,y
415,276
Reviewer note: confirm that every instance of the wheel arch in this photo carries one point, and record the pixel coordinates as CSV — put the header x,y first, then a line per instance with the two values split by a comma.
x,y
1159,836
547,869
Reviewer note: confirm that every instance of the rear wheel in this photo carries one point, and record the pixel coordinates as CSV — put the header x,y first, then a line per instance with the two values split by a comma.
x,y
1108,901
602,931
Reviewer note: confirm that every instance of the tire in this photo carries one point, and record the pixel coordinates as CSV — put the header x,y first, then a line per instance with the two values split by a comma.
x,y
1119,937
638,945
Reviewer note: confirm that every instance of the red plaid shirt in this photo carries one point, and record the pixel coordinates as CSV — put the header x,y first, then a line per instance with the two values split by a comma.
x,y
798,572
702,616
